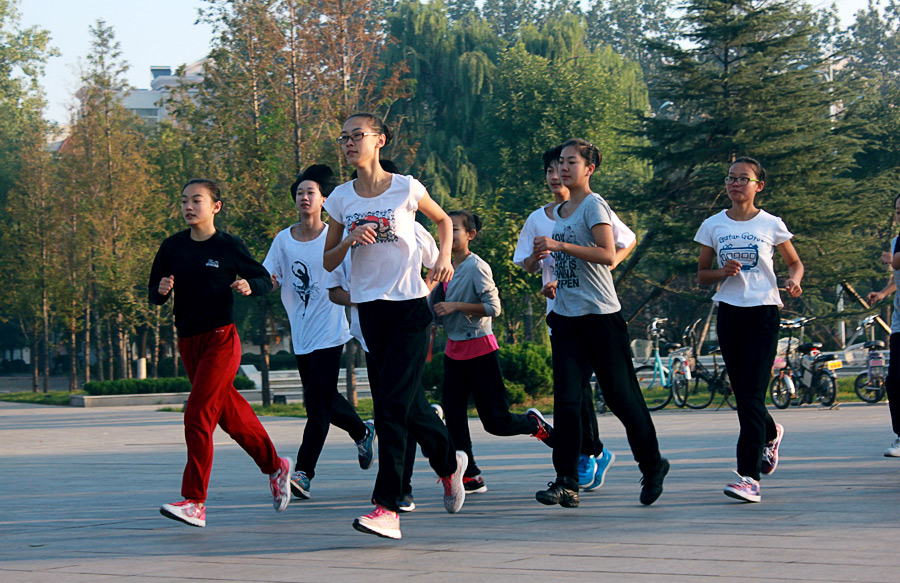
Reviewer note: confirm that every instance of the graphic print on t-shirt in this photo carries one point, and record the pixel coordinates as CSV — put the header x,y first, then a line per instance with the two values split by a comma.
x,y
747,255
305,288
566,266
383,221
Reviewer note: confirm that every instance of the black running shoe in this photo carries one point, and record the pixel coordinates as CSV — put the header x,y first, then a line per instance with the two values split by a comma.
x,y
652,482
561,492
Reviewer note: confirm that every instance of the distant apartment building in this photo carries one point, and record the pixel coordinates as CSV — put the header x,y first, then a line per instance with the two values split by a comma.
x,y
148,104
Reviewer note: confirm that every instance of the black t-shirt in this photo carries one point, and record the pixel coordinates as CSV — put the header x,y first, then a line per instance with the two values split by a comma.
x,y
204,272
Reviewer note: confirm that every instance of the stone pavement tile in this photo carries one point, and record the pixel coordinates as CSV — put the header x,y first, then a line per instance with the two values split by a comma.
x,y
83,489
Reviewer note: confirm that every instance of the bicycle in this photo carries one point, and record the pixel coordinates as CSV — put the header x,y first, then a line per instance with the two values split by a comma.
x,y
656,380
707,383
813,380
869,385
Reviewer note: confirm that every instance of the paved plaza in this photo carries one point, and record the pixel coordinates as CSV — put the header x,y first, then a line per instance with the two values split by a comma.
x,y
82,487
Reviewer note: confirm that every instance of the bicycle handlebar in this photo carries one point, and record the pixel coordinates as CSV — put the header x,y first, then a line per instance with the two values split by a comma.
x,y
797,322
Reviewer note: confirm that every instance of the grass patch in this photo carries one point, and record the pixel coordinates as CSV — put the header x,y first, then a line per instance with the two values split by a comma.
x,y
59,398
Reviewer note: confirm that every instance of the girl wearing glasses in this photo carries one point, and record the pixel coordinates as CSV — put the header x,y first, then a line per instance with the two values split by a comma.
x,y
372,217
589,332
742,240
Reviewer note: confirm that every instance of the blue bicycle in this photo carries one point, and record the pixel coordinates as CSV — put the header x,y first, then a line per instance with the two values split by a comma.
x,y
658,382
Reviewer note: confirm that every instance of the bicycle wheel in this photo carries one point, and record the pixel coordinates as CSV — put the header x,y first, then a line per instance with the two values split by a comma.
x,y
780,393
725,388
656,396
680,383
824,388
700,393
870,391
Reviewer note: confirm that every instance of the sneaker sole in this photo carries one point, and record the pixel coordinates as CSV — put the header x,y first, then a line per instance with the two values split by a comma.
x,y
300,493
478,490
409,508
183,519
390,533
602,475
741,496
892,454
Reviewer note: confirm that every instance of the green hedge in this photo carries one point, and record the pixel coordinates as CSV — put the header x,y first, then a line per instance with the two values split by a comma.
x,y
146,386
527,371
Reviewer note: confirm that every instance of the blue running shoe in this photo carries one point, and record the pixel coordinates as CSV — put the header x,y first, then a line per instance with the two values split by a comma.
x,y
587,469
605,460
366,447
300,485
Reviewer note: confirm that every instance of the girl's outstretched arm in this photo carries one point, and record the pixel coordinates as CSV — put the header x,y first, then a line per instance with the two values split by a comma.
x,y
706,275
795,269
443,268
603,254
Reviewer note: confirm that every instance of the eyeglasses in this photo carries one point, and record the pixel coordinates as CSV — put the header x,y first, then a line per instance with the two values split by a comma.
x,y
739,180
355,136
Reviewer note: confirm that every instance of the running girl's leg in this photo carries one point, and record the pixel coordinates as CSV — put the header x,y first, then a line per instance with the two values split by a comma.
x,y
571,370
457,386
892,382
590,431
395,335
748,338
211,360
490,399
610,357
319,372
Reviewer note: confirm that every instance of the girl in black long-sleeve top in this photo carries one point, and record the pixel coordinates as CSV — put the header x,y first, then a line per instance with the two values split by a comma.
x,y
206,263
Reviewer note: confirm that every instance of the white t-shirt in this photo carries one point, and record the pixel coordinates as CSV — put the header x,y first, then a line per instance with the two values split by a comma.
x,y
340,277
316,322
538,224
752,243
390,268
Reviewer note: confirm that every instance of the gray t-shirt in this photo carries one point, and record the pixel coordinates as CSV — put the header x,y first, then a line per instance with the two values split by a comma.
x,y
583,287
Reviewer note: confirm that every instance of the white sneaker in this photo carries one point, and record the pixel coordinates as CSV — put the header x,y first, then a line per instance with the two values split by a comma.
x,y
894,449
187,511
381,522
454,490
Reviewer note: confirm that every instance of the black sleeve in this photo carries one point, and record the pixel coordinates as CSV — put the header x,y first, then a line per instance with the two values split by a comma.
x,y
897,245
159,270
250,269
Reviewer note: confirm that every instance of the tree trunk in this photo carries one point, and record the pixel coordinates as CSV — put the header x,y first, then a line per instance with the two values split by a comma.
x,y
110,353
529,319
97,330
351,349
264,353
35,367
87,339
73,356
121,351
175,354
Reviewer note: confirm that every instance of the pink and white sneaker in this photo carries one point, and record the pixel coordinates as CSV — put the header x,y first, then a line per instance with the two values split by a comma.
x,y
381,522
280,484
746,489
186,511
454,490
770,452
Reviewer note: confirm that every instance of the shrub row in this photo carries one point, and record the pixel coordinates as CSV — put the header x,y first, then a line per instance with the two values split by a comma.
x,y
146,386
527,371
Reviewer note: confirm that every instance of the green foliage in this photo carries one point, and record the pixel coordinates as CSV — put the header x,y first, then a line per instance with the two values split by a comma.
x,y
146,386
528,365
58,398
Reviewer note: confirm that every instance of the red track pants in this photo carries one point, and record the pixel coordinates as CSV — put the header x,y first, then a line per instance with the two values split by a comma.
x,y
211,360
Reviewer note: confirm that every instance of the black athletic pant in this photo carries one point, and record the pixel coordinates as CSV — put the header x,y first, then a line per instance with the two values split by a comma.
x,y
892,382
481,378
749,338
319,371
396,338
597,342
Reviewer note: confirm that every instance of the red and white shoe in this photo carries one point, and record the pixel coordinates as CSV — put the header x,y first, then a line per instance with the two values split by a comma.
x,y
186,511
381,522
280,484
